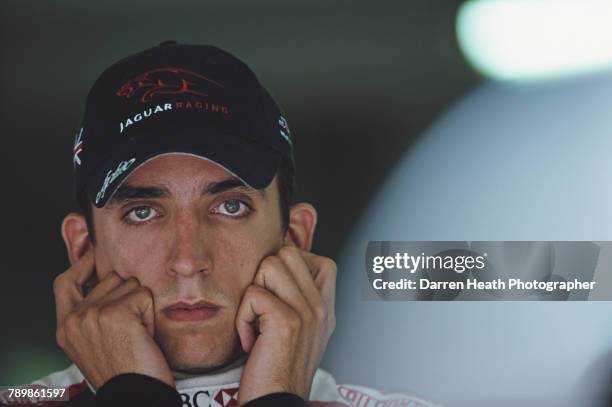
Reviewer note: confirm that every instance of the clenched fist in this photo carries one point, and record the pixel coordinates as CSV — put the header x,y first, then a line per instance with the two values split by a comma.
x,y
109,331
285,320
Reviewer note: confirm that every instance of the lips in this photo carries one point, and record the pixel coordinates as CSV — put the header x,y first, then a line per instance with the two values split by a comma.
x,y
183,311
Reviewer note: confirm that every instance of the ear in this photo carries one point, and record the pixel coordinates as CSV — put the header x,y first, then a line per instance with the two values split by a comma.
x,y
302,224
76,236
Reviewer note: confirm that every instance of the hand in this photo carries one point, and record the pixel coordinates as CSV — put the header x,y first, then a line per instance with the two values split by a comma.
x,y
284,321
110,331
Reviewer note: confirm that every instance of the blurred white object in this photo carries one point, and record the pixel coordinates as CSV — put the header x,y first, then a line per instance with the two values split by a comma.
x,y
536,39
505,163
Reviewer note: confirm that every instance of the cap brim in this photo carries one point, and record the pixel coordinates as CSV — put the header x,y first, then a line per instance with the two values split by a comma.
x,y
253,163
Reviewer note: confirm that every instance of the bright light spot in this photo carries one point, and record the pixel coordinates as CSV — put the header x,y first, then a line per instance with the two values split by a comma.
x,y
536,39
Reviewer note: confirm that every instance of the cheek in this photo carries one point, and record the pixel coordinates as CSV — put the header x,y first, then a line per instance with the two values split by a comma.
x,y
237,252
137,255
236,257
140,258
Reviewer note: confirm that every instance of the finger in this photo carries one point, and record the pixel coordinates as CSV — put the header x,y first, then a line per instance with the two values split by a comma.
x,y
322,281
124,288
322,268
324,275
139,302
109,283
274,276
67,286
245,325
258,304
315,263
82,269
293,259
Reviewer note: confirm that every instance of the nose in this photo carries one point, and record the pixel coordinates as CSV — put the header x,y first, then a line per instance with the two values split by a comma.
x,y
187,252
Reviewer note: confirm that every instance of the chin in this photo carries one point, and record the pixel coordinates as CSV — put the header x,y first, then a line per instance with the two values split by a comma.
x,y
198,349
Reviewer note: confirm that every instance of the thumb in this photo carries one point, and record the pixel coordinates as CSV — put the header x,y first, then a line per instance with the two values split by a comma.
x,y
245,321
257,302
141,304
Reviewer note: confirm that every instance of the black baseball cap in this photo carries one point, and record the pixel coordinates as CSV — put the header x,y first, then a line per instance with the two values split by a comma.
x,y
176,98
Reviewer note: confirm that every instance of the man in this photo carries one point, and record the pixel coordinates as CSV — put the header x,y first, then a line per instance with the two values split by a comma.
x,y
191,274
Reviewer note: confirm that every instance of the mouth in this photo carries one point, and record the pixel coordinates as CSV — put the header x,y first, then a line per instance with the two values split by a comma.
x,y
184,312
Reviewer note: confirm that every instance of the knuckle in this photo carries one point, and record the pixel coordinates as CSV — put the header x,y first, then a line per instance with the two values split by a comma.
x,y
71,320
293,323
60,337
270,263
330,265
106,315
288,252
113,275
329,269
251,290
71,325
143,291
286,331
308,320
331,323
58,283
140,295
269,268
320,313
131,282
90,317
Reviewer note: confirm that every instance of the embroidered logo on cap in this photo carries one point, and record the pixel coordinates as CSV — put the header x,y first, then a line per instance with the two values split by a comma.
x,y
167,81
113,175
284,130
78,147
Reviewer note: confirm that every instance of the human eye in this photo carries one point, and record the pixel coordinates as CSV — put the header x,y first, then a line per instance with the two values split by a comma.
x,y
234,208
140,214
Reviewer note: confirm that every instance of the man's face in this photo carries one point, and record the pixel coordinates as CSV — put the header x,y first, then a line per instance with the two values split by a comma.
x,y
181,233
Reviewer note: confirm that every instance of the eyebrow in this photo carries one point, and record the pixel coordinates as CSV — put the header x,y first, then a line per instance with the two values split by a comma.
x,y
127,191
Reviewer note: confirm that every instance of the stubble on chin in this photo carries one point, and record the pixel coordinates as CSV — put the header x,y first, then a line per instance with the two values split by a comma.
x,y
199,351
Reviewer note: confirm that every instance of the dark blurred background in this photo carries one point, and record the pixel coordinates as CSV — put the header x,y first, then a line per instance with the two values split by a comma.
x,y
351,76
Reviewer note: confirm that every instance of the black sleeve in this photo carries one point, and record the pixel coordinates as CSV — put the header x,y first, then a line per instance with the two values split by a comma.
x,y
133,389
278,399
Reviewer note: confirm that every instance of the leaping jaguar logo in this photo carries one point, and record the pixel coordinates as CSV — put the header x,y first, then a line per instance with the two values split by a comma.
x,y
167,81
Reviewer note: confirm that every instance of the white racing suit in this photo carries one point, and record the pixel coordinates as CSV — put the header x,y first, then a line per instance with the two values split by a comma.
x,y
220,389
